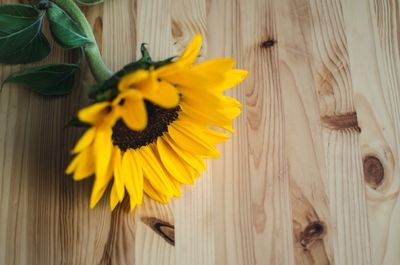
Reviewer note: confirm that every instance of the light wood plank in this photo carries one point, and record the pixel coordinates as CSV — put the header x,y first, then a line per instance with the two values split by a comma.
x,y
312,227
154,28
252,201
194,220
289,187
315,57
375,66
340,133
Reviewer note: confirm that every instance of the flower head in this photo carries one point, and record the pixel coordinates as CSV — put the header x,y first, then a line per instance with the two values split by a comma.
x,y
157,128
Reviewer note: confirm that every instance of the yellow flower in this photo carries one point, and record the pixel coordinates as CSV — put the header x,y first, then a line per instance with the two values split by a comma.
x,y
128,105
181,104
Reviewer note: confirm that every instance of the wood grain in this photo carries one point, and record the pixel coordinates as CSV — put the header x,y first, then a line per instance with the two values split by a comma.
x,y
154,28
307,170
312,175
333,83
194,219
252,197
375,65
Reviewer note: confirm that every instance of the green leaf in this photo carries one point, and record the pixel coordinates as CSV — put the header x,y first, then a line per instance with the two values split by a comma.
x,y
48,80
64,30
88,2
21,37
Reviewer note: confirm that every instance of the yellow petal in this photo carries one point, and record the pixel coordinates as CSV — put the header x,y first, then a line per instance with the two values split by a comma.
x,y
94,113
189,139
166,96
230,113
191,79
206,116
218,65
133,176
149,84
101,183
194,161
102,151
191,52
152,193
118,177
110,119
133,111
229,102
97,192
169,69
232,78
215,136
86,139
129,80
173,163
132,205
176,187
73,164
208,100
154,172
113,197
85,168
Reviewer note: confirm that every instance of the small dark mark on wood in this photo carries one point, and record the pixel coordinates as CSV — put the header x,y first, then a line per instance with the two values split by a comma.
x,y
268,43
373,171
162,228
314,231
341,122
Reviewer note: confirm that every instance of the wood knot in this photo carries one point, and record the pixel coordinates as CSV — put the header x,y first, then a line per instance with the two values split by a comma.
x,y
373,171
268,43
176,30
162,228
314,231
341,122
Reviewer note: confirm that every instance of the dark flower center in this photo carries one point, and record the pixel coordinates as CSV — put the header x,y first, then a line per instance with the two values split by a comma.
x,y
158,121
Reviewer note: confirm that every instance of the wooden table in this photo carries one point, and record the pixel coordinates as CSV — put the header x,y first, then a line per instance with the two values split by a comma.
x,y
312,175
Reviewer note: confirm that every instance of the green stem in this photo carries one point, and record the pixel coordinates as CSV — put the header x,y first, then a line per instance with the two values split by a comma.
x,y
98,68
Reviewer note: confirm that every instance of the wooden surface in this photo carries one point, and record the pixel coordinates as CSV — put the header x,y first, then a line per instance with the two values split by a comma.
x,y
312,175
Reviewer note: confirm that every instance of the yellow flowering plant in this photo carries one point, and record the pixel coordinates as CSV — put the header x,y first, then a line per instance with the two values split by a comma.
x,y
152,124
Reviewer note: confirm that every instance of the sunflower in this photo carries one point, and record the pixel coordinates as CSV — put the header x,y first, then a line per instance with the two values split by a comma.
x,y
155,132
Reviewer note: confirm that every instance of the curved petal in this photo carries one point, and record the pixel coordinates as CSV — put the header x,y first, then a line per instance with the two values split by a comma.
x,y
214,136
190,79
149,84
86,139
154,172
216,65
166,96
94,113
169,69
190,139
133,111
129,80
86,167
206,117
191,52
173,163
232,78
133,177
97,192
102,152
194,161
113,197
118,177
152,193
100,184
73,164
